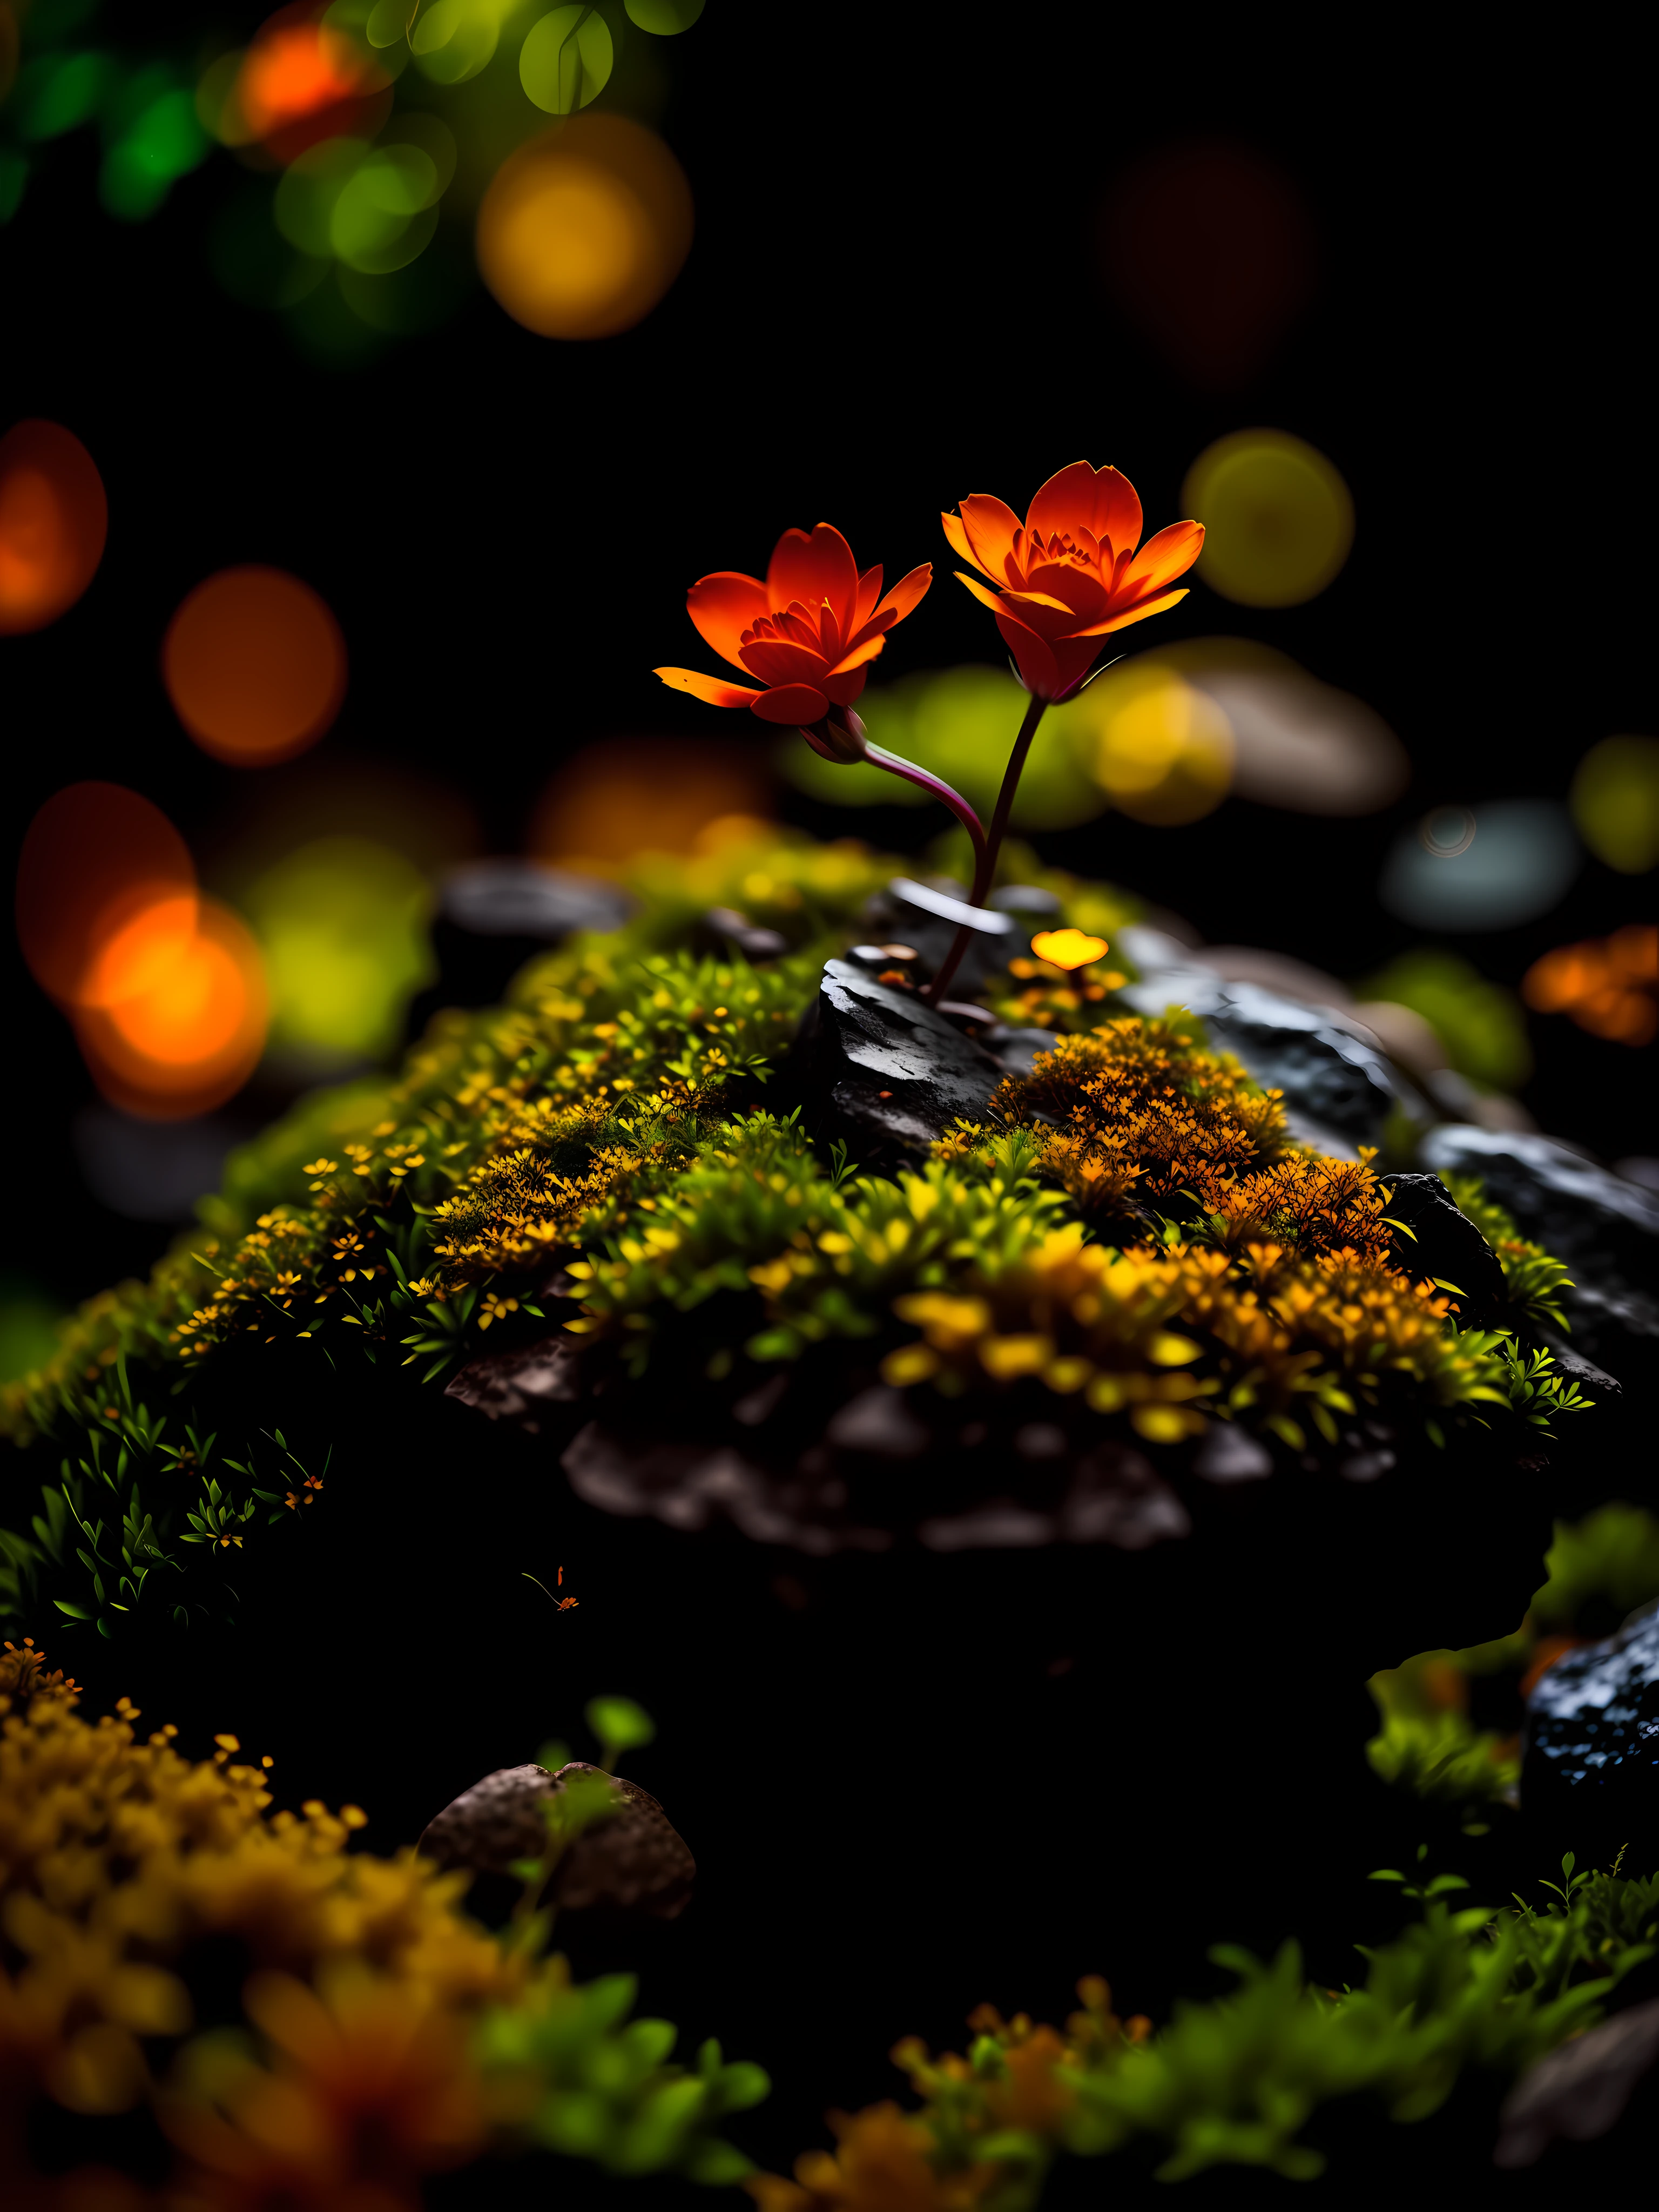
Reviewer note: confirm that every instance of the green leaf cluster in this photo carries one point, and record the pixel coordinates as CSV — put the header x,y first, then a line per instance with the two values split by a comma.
x,y
1535,1280
595,2085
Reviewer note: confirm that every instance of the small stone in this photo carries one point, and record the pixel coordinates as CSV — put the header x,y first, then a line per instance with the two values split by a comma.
x,y
726,927
1029,901
521,1386
887,1072
880,1420
1592,1732
1229,1454
522,898
1581,2090
1444,1245
633,1860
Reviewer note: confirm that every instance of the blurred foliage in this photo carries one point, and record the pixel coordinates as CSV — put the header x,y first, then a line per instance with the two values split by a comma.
x,y
382,120
1135,1237
1616,802
381,2036
1465,1990
342,924
1480,1026
1598,1570
29,1326
958,724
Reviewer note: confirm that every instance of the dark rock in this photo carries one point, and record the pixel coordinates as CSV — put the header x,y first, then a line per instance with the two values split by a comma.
x,y
521,1386
723,929
1030,902
1339,1089
1017,1048
1606,1229
1229,1454
927,915
1114,1497
522,898
1580,2091
1592,1736
494,915
888,1073
880,1420
687,1486
1445,1246
632,1860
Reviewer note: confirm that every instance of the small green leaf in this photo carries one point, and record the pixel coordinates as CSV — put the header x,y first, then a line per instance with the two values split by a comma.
x,y
619,1723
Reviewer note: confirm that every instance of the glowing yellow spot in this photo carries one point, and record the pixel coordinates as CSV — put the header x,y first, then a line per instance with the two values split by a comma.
x,y
1278,519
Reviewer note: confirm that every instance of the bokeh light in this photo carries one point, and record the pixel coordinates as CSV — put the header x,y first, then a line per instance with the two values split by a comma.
x,y
1277,518
97,862
1609,985
1209,249
1616,802
583,230
1488,866
1159,748
1299,744
193,1036
664,17
566,59
342,924
29,1316
54,519
301,79
1480,1027
645,795
255,665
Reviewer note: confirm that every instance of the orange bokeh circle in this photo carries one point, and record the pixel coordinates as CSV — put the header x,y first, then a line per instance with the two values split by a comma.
x,y
54,519
96,861
255,665
194,1034
585,228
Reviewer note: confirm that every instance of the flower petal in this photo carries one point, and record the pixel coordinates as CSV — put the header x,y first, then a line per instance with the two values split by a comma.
x,y
1161,559
907,594
982,592
869,593
820,566
782,660
1097,500
989,524
1134,614
867,650
1082,590
723,606
1035,661
792,703
958,538
841,691
713,689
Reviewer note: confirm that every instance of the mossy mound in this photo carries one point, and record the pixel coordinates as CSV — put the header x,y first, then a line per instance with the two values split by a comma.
x,y
610,1201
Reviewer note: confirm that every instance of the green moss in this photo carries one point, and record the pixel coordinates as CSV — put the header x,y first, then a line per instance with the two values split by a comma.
x,y
612,1130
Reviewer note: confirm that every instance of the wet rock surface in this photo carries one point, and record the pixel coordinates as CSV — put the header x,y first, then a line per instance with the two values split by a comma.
x,y
883,1071
1582,2090
1592,1736
633,1860
1606,1230
1444,1245
1339,1089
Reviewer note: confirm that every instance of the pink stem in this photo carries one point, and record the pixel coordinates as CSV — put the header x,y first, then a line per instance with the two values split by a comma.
x,y
940,790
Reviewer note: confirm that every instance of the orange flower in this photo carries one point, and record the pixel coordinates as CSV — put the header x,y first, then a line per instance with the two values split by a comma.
x,y
808,633
1069,574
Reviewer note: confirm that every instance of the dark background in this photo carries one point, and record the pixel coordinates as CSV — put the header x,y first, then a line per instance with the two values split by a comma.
x,y
895,297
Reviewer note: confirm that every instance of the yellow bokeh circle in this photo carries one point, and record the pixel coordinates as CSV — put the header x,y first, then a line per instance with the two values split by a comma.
x,y
1160,748
1277,518
584,229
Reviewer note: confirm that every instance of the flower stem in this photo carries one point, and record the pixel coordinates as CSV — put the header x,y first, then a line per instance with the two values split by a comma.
x,y
940,790
986,853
